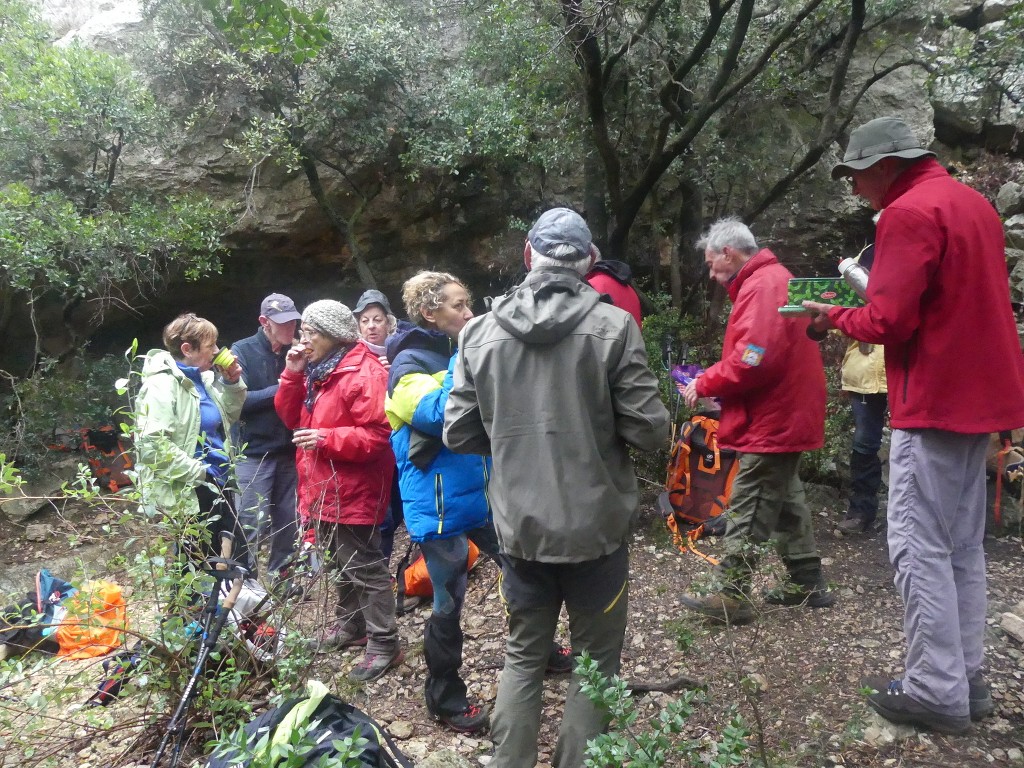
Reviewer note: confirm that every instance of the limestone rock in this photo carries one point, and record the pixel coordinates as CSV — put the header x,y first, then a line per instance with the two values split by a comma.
x,y
109,28
444,758
959,11
1014,227
1013,625
37,532
1015,262
880,732
401,729
996,10
1010,199
280,231
30,498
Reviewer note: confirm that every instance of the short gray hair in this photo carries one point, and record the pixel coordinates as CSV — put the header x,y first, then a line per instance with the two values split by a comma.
x,y
730,232
563,256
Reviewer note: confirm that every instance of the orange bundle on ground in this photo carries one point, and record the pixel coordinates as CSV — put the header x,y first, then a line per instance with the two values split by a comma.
x,y
95,621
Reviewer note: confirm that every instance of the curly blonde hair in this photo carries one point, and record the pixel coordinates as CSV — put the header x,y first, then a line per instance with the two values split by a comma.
x,y
425,290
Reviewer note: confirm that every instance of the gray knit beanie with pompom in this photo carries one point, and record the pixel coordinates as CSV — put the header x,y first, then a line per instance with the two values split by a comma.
x,y
332,318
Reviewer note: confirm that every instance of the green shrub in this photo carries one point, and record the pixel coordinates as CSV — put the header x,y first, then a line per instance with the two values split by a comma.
x,y
627,741
53,405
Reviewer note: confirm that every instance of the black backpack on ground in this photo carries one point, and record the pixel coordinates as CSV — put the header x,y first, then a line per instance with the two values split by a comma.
x,y
334,719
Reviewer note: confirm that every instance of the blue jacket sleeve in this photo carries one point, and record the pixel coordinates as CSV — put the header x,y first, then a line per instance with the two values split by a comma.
x,y
429,414
260,400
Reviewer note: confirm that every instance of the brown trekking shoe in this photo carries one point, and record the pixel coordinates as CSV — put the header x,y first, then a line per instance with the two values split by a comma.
x,y
722,607
337,636
853,526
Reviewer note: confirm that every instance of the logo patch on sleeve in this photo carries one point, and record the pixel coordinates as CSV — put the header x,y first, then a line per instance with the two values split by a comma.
x,y
753,355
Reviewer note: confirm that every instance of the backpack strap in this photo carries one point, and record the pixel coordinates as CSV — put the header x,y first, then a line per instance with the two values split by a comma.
x,y
391,754
1006,445
679,466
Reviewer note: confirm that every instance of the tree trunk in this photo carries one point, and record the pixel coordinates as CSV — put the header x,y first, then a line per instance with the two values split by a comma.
x,y
341,227
594,200
690,274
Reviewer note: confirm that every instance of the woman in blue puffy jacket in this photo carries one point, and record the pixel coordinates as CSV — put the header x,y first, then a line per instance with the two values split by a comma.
x,y
444,495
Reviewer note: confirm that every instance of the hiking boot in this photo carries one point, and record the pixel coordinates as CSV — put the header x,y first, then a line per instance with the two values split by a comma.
x,y
896,706
374,665
723,607
337,636
560,661
470,720
793,594
980,698
853,526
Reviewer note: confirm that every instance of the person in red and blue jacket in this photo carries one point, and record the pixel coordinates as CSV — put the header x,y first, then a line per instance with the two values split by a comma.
x,y
771,383
444,495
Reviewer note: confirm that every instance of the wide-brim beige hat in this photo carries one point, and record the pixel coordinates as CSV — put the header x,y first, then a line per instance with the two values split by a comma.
x,y
882,137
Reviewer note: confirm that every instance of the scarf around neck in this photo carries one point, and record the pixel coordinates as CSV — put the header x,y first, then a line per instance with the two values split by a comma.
x,y
316,375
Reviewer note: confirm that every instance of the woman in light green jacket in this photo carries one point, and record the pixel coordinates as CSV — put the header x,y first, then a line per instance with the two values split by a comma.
x,y
185,409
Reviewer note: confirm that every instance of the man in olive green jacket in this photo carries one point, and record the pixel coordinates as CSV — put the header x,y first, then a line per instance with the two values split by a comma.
x,y
554,384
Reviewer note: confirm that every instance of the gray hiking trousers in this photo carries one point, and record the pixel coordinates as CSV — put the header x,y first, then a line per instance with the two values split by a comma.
x,y
595,594
936,527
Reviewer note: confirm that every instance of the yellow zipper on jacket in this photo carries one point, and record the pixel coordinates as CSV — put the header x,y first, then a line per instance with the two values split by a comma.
x,y
487,485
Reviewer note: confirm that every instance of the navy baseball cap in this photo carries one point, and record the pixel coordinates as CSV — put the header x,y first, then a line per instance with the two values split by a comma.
x,y
279,308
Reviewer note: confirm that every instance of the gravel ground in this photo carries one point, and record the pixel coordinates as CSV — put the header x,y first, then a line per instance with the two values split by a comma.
x,y
794,671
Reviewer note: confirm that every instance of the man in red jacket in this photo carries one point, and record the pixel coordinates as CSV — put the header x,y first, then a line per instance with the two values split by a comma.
x,y
772,387
938,296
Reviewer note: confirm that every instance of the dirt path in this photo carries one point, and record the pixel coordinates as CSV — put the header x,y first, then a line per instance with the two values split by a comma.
x,y
804,664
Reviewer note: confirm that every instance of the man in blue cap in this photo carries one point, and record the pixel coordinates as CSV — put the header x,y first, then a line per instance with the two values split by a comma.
x,y
266,473
553,383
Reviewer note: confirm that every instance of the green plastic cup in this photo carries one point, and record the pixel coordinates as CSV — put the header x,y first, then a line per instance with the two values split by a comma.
x,y
224,358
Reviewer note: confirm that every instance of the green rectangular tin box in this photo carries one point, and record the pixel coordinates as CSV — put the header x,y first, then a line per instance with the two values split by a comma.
x,y
827,290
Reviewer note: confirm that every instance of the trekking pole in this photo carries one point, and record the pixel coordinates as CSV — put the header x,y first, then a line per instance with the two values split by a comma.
x,y
224,568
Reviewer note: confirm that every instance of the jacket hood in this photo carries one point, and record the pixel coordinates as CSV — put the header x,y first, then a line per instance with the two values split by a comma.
x,y
549,304
762,258
412,349
409,336
160,361
620,270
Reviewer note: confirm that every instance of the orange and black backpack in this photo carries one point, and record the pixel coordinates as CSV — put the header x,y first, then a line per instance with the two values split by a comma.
x,y
699,481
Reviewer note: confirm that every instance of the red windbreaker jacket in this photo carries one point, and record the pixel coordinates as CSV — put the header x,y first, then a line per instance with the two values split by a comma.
x,y
939,300
770,379
347,479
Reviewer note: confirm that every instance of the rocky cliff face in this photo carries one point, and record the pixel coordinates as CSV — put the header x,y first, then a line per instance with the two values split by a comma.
x,y
280,241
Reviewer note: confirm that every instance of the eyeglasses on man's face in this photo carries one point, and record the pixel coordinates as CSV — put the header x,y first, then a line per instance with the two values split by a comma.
x,y
308,333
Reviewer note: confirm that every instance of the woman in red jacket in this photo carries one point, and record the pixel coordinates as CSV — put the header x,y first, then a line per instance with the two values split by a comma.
x,y
332,395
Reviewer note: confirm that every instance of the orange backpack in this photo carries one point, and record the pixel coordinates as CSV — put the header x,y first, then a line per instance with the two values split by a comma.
x,y
413,580
700,476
